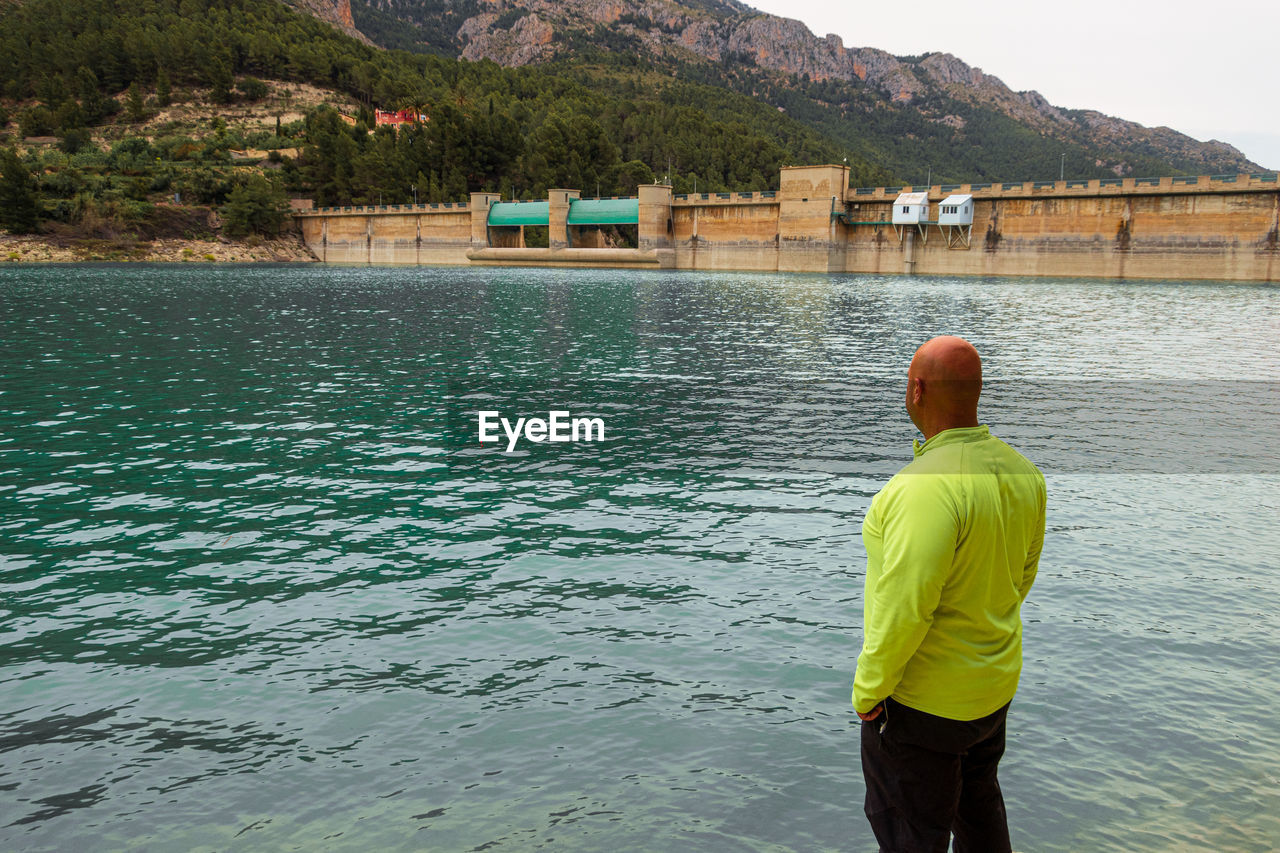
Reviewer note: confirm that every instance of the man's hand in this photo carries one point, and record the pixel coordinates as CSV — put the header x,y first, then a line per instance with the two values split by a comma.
x,y
870,715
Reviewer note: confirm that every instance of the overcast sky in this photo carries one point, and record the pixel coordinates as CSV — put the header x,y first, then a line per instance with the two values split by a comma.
x,y
1207,69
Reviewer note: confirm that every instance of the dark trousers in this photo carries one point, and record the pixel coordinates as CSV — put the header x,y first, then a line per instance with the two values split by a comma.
x,y
928,777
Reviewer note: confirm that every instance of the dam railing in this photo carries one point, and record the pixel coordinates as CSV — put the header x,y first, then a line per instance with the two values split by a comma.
x,y
1243,181
1174,184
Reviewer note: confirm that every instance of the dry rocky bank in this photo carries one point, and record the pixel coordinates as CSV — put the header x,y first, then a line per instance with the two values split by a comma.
x,y
36,248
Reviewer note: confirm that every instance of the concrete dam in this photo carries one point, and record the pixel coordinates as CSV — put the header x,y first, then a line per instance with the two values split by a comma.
x,y
1206,227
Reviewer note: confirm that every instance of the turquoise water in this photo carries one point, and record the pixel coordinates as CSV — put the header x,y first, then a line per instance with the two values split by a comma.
x,y
263,588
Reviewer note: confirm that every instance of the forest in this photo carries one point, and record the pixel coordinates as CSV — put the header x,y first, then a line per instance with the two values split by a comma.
x,y
602,121
69,66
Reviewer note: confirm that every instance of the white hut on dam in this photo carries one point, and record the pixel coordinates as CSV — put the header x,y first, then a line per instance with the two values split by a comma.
x,y
911,210
955,219
956,210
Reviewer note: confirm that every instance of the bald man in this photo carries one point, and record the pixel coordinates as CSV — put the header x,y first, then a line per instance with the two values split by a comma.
x,y
953,543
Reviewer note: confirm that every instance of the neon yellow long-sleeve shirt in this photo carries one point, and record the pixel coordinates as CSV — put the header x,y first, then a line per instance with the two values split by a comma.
x,y
953,544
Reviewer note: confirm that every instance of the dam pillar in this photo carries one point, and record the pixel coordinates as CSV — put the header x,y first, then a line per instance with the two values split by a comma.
x,y
480,204
655,231
558,217
809,239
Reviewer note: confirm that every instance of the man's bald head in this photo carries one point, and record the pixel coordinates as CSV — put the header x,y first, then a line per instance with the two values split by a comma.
x,y
943,385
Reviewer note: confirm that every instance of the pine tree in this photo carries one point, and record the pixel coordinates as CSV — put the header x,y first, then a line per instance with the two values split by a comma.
x,y
256,206
136,105
92,103
19,203
164,89
221,82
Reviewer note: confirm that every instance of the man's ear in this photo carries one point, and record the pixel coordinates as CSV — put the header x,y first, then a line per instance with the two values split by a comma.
x,y
917,390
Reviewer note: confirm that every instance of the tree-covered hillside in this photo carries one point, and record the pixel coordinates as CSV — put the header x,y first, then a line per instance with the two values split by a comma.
x,y
68,66
84,85
910,115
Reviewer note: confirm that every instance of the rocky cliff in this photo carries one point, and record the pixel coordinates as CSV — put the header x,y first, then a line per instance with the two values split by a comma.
x,y
335,12
517,32
521,32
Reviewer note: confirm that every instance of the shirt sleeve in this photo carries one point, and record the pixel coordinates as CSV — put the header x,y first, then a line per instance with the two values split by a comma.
x,y
1032,565
919,527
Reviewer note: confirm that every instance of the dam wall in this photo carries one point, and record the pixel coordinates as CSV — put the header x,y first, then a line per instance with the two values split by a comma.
x,y
1207,227
390,235
1200,228
729,231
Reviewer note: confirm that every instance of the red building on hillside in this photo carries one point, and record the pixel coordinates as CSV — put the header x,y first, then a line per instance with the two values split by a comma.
x,y
398,117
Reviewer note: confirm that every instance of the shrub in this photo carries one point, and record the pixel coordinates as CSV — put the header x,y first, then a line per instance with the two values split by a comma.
x,y
90,158
177,148
132,155
75,140
64,183
266,140
19,203
255,207
35,121
203,184
252,88
69,116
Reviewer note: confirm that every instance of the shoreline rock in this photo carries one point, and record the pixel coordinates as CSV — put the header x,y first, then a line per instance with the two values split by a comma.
x,y
33,248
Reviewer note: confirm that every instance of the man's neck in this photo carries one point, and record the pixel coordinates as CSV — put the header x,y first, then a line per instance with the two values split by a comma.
x,y
953,423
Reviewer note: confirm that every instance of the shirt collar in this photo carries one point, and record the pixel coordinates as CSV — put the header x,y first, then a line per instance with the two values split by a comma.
x,y
951,436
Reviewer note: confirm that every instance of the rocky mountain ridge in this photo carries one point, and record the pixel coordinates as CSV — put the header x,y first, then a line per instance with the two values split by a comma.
x,y
523,32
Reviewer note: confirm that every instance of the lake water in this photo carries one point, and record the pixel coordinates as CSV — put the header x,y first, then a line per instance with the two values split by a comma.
x,y
263,588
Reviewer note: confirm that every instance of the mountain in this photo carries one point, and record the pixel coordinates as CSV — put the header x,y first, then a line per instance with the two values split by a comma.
x,y
334,12
115,107
905,112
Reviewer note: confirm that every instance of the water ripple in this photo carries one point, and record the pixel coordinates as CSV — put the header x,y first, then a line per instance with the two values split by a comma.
x,y
263,587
